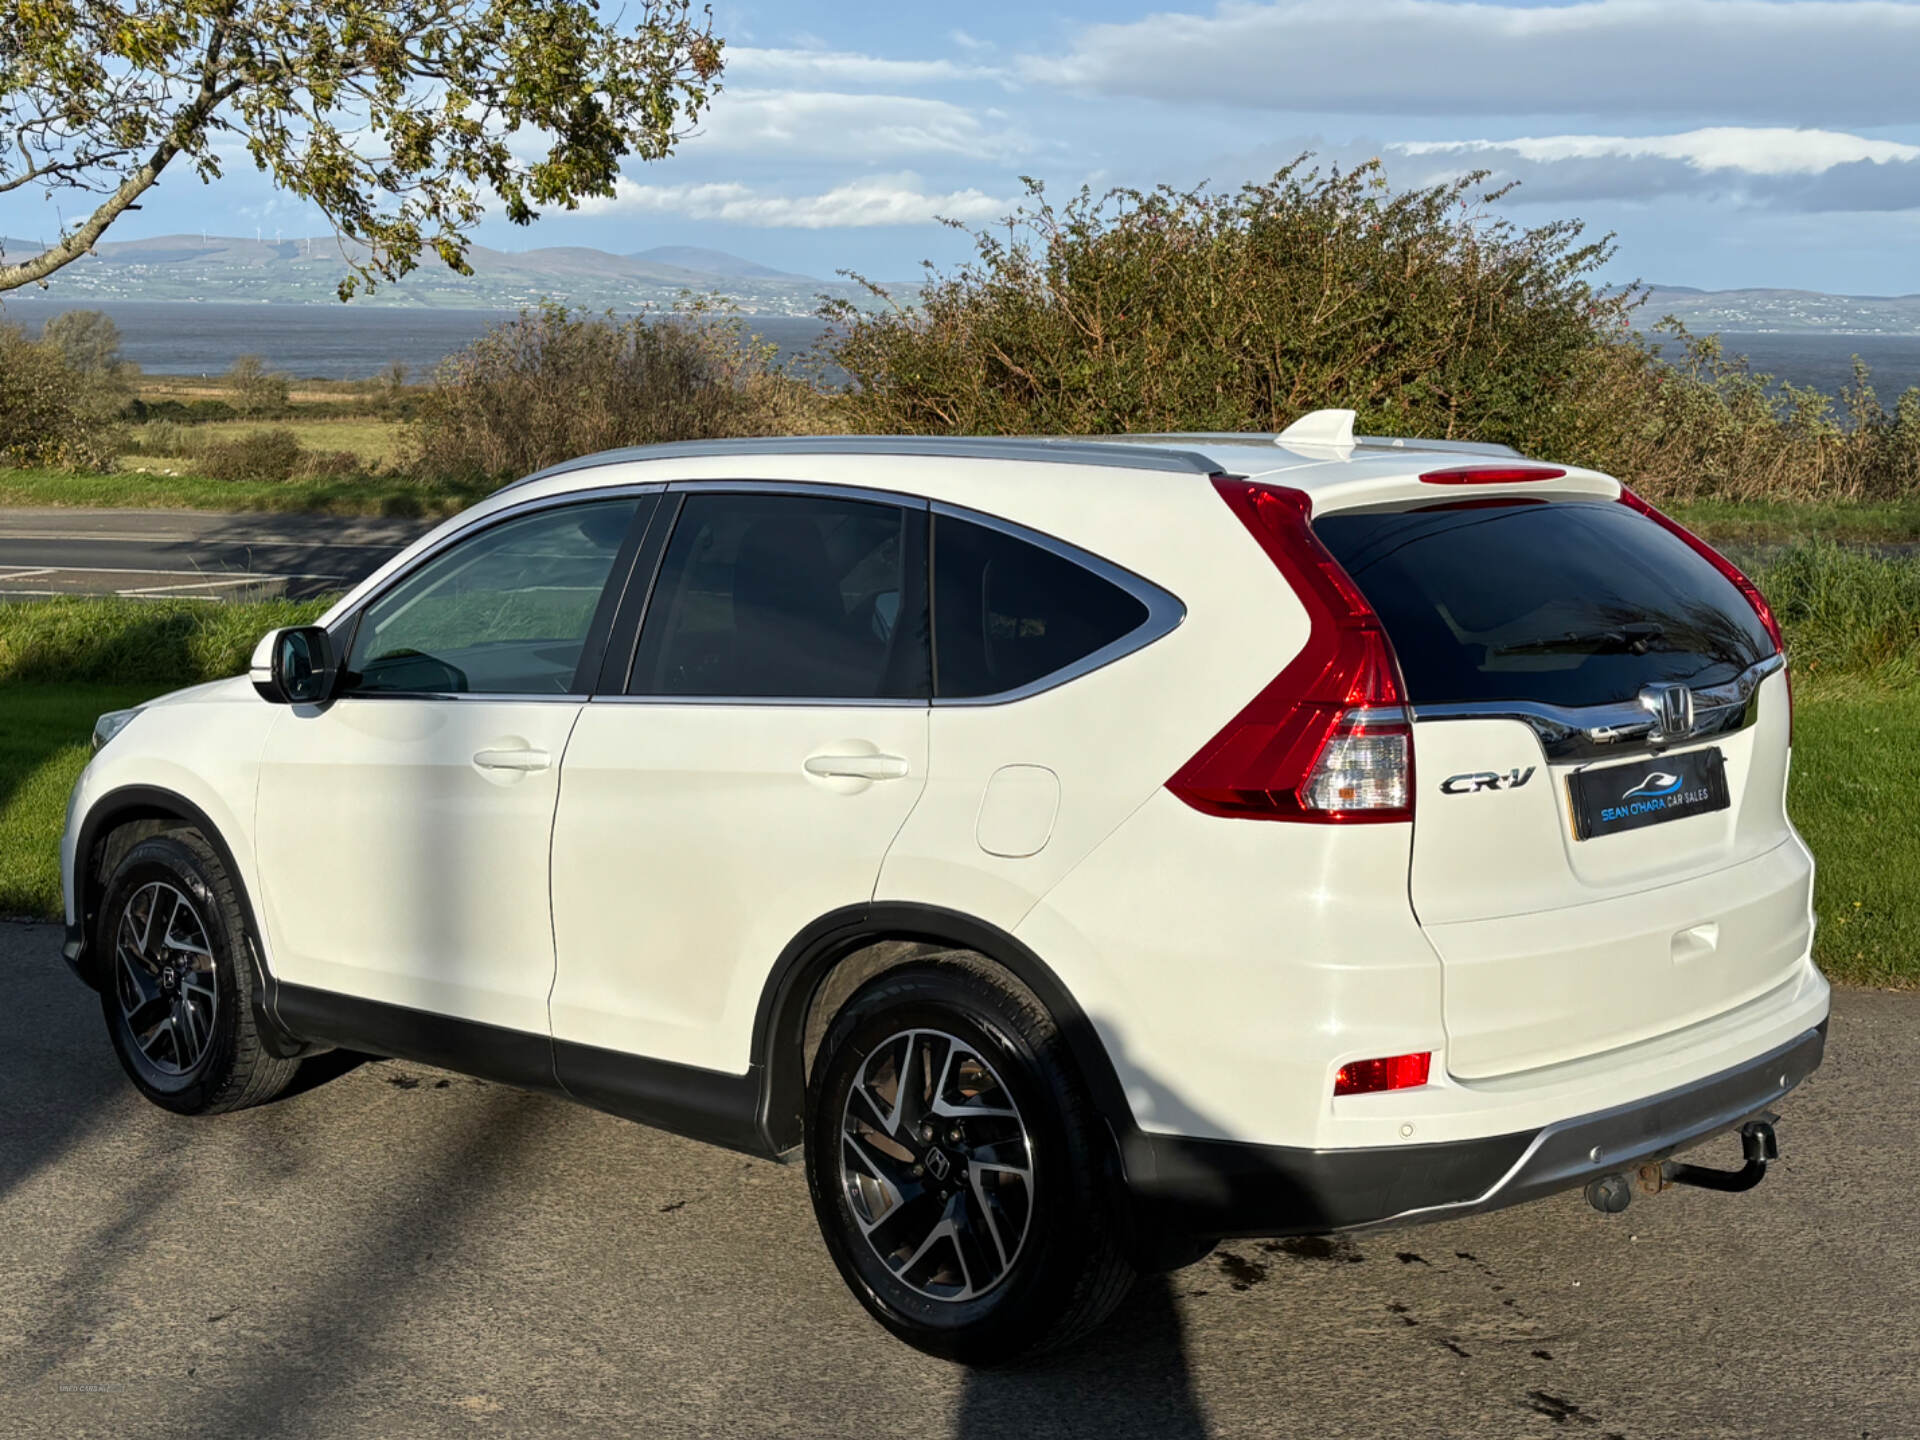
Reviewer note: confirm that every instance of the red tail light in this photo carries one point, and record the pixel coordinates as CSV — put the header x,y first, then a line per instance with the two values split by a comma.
x,y
1491,474
1396,1072
1328,739
1727,568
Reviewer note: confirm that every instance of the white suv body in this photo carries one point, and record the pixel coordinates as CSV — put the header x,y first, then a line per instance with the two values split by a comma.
x,y
640,852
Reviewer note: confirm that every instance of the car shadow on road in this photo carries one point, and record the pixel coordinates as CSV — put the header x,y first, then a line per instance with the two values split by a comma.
x,y
1130,1377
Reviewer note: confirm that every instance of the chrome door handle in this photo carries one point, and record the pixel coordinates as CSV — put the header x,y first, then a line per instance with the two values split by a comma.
x,y
858,767
512,759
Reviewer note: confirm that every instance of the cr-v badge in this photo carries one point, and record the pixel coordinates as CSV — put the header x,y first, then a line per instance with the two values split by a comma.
x,y
1485,780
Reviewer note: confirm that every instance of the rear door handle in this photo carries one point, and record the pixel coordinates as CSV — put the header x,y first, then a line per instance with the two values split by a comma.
x,y
512,759
858,767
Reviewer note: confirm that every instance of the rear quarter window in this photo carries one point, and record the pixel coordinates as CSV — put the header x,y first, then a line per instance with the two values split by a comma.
x,y
1563,602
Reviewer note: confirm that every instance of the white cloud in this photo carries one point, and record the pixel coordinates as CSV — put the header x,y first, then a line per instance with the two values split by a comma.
x,y
848,127
1768,151
845,67
876,201
1828,61
1805,170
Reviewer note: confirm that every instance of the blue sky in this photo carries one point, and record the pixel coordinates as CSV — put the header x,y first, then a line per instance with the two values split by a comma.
x,y
1728,142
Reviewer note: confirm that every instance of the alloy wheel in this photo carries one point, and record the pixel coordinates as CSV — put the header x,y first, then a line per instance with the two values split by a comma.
x,y
937,1165
164,977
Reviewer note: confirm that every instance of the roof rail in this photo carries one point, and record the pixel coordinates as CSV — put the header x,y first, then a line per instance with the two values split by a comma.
x,y
1462,447
1061,451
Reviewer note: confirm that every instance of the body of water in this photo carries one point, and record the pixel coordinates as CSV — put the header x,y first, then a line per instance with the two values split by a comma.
x,y
347,342
323,342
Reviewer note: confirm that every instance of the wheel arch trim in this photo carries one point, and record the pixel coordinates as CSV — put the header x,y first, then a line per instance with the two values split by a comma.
x,y
127,803
780,1020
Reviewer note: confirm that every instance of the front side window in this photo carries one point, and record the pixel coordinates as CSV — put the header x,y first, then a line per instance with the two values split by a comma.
x,y
1008,613
787,596
506,612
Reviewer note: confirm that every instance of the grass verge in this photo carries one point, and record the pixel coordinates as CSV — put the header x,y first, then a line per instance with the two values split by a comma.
x,y
133,489
43,746
1855,796
1786,522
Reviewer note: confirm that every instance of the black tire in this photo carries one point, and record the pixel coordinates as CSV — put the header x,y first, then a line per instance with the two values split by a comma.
x,y
196,1049
1048,1261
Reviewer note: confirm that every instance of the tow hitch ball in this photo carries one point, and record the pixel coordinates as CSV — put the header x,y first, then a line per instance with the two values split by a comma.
x,y
1610,1194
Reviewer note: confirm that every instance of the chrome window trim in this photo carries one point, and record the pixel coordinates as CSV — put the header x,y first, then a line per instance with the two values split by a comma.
x,y
771,702
1165,610
823,490
343,630
1593,732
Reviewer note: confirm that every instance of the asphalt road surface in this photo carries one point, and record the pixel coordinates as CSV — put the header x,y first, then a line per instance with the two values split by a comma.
x,y
156,554
398,1251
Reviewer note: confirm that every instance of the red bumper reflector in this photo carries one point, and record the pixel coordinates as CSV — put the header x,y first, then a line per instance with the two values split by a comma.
x,y
1395,1072
1491,474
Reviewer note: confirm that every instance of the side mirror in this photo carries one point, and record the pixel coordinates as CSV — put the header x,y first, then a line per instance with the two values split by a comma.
x,y
294,666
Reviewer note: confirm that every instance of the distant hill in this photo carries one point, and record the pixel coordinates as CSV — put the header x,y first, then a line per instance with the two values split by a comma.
x,y
1806,312
307,270
717,262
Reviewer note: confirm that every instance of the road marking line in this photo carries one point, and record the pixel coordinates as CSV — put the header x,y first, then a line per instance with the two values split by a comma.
x,y
247,579
149,570
121,537
14,573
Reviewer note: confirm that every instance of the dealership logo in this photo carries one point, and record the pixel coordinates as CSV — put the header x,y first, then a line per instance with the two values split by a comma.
x,y
1655,785
1477,780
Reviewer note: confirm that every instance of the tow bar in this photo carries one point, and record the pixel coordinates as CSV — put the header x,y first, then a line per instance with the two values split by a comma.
x,y
1610,1194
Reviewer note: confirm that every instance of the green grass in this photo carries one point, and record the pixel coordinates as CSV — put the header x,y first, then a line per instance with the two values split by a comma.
x,y
372,439
1855,796
385,495
1782,522
43,745
162,644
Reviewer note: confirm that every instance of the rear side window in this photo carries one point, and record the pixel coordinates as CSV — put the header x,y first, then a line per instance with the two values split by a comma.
x,y
1008,613
1564,602
787,596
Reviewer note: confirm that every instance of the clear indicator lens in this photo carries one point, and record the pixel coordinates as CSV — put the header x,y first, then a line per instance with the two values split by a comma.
x,y
1360,770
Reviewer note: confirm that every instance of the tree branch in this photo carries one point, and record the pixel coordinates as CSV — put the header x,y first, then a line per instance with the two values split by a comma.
x,y
186,126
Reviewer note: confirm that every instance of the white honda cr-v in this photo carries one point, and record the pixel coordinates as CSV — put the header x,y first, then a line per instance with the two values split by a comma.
x,y
1080,850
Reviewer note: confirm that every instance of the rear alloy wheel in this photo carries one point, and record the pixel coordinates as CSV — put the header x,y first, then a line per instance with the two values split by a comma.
x,y
957,1168
177,980
936,1165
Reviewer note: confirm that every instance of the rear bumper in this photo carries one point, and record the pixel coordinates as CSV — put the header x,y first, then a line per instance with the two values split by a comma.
x,y
1221,1188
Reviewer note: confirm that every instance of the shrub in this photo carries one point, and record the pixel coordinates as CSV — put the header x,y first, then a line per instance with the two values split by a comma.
x,y
552,384
255,390
89,343
263,455
41,419
1169,310
1683,420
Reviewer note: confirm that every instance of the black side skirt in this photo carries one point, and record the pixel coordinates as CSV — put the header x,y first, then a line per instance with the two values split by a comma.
x,y
708,1105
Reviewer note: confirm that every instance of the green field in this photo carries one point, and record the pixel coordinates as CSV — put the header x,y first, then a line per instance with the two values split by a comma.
x,y
145,490
1855,793
373,440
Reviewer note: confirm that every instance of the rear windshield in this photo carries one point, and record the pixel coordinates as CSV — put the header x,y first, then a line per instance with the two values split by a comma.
x,y
1566,602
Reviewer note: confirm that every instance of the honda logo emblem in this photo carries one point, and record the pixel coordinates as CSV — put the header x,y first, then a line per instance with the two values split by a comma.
x,y
1672,709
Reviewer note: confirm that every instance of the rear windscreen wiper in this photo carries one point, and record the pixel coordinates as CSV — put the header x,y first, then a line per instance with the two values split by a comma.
x,y
1634,638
